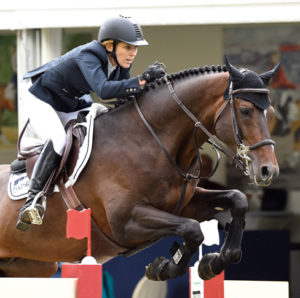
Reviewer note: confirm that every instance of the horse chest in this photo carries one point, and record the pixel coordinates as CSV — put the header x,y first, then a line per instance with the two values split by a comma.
x,y
178,197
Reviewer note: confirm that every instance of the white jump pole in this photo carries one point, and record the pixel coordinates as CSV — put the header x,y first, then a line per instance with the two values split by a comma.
x,y
38,287
255,289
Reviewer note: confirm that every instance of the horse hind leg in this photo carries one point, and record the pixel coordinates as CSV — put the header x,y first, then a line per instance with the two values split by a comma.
x,y
17,267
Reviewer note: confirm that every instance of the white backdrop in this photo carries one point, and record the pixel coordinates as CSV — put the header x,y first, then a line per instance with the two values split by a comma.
x,y
19,14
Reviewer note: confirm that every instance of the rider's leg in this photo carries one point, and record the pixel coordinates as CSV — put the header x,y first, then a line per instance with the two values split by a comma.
x,y
46,124
46,163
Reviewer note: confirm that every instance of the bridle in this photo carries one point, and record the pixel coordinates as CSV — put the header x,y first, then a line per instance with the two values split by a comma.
x,y
241,157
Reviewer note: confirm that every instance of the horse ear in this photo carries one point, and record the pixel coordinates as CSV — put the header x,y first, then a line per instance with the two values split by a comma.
x,y
266,76
235,74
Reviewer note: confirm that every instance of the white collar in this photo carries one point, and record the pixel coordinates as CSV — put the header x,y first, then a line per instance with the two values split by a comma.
x,y
110,68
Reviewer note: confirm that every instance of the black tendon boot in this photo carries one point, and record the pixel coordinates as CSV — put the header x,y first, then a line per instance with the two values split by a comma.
x,y
33,213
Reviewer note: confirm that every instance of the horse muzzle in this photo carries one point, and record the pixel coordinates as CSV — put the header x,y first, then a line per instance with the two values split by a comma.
x,y
263,175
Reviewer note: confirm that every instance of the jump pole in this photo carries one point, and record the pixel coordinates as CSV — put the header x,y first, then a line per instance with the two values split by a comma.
x,y
28,287
88,272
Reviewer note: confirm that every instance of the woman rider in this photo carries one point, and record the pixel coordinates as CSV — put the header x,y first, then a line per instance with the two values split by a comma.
x,y
101,66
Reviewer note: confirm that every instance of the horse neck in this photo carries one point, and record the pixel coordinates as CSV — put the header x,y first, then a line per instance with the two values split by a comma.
x,y
201,94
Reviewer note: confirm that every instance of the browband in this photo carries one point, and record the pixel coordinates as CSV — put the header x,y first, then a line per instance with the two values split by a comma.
x,y
249,90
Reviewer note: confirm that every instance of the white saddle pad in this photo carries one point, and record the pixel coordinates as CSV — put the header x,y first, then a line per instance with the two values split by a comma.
x,y
18,183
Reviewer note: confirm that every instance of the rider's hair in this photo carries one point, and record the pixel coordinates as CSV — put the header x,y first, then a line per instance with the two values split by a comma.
x,y
104,43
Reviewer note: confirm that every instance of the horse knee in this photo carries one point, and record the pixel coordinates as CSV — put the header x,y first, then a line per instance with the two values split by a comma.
x,y
192,232
239,203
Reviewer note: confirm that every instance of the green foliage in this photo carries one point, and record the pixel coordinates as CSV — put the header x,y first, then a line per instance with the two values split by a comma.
x,y
9,118
73,40
6,44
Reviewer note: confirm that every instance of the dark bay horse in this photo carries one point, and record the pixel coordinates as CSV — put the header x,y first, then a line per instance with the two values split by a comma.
x,y
141,179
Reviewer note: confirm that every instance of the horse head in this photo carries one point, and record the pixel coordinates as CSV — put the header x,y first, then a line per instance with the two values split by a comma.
x,y
248,105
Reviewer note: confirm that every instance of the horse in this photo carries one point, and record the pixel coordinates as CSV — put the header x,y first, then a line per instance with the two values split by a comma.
x,y
141,179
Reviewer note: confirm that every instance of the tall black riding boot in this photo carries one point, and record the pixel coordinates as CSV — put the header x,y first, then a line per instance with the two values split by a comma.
x,y
46,163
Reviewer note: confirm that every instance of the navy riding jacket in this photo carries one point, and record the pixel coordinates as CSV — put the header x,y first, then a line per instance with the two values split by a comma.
x,y
62,81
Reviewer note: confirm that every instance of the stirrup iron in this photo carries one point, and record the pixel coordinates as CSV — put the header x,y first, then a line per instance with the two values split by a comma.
x,y
33,212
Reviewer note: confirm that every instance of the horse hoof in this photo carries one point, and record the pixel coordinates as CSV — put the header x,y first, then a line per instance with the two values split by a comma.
x,y
204,269
154,269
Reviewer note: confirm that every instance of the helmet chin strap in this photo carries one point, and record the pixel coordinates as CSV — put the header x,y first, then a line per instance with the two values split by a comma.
x,y
113,52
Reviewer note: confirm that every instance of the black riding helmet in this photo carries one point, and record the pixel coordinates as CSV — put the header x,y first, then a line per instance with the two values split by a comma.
x,y
122,29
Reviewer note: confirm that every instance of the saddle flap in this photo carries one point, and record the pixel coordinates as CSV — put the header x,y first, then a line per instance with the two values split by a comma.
x,y
76,132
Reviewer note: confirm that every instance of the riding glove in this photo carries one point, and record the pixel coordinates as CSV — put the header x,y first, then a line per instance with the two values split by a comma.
x,y
152,72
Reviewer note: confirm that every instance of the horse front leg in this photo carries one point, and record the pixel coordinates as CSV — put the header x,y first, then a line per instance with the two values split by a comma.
x,y
213,202
151,223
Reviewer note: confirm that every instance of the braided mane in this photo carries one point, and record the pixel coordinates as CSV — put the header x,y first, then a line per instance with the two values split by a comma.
x,y
185,73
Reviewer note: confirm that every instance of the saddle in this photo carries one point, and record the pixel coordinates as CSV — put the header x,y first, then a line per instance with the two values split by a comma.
x,y
27,156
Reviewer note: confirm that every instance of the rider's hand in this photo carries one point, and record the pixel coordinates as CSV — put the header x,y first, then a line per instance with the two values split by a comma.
x,y
154,71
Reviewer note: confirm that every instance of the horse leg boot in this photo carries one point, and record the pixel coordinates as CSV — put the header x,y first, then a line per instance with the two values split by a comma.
x,y
46,163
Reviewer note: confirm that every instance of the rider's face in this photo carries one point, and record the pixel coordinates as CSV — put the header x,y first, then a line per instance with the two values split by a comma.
x,y
125,54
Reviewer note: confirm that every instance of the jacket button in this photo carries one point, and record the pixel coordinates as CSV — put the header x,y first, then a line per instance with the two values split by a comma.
x,y
76,97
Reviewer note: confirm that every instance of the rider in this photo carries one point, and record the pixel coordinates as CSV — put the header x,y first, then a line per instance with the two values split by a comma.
x,y
101,66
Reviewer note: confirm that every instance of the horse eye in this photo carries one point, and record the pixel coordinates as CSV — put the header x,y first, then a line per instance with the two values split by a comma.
x,y
245,111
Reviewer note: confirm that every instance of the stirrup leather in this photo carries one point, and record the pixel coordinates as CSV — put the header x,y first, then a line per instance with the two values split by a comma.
x,y
32,211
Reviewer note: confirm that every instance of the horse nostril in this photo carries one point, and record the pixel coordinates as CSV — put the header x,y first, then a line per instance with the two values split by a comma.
x,y
265,172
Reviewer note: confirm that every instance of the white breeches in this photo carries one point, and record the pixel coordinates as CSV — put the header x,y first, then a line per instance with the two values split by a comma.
x,y
45,122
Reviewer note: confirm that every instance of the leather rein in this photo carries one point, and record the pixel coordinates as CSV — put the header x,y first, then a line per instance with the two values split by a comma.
x,y
241,157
